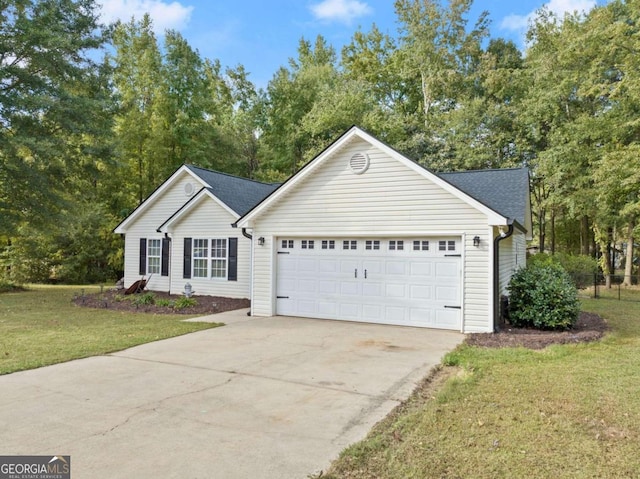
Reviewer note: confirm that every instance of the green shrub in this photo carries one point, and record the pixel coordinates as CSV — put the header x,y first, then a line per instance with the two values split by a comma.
x,y
184,302
543,296
9,286
144,299
164,302
580,268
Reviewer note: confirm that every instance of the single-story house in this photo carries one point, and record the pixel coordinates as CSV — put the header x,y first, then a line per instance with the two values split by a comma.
x,y
360,233
182,233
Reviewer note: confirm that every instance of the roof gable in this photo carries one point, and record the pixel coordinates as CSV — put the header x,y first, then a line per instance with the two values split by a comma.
x,y
494,216
236,194
195,200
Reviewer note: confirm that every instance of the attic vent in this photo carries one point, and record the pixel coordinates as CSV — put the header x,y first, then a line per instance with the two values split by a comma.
x,y
359,163
188,189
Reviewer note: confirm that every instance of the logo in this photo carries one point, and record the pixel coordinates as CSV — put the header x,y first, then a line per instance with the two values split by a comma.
x,y
35,467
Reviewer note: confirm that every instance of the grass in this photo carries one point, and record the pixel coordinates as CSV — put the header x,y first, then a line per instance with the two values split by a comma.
x,y
41,326
570,411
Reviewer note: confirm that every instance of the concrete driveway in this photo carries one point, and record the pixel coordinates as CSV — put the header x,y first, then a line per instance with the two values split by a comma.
x,y
261,397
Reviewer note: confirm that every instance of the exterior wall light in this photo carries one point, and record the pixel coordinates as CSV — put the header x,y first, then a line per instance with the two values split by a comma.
x,y
261,241
476,241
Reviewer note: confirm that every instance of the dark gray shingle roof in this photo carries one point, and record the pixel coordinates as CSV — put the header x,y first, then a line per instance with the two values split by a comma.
x,y
505,191
239,194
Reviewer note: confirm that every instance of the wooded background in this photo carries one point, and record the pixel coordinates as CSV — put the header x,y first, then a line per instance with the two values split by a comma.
x,y
94,117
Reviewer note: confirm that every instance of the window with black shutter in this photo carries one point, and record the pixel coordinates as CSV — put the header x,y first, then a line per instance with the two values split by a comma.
x,y
143,256
233,260
186,264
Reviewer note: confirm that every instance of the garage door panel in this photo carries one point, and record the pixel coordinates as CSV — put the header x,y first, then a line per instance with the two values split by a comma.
x,y
422,268
405,287
349,311
327,287
421,292
396,291
444,293
447,319
396,267
372,289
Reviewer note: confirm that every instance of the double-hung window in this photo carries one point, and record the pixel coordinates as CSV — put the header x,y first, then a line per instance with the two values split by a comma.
x,y
219,258
210,258
154,255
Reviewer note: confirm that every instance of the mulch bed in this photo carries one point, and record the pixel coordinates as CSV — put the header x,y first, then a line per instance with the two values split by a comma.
x,y
589,327
115,300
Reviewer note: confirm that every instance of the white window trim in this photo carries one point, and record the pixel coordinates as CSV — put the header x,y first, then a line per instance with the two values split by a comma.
x,y
158,256
210,258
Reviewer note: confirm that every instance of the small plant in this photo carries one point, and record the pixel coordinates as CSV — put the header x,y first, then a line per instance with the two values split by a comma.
x,y
543,296
9,286
144,299
183,302
164,302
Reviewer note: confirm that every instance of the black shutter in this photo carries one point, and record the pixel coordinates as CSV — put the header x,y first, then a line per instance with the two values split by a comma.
x,y
166,244
232,274
186,264
143,256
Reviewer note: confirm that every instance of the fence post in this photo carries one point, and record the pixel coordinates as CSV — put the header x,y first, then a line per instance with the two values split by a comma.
x,y
595,285
619,291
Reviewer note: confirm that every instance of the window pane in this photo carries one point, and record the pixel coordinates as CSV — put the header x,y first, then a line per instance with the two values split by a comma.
x,y
219,268
200,268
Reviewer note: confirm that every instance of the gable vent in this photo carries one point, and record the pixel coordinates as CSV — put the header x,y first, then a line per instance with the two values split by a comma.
x,y
359,163
189,189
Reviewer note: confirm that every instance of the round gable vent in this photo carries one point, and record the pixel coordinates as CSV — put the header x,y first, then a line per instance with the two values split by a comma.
x,y
188,189
359,163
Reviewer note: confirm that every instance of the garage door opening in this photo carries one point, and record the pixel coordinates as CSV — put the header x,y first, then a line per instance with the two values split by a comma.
x,y
400,281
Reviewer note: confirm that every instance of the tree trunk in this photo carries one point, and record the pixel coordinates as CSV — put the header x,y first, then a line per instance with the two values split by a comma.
x,y
607,259
553,231
628,266
584,235
541,232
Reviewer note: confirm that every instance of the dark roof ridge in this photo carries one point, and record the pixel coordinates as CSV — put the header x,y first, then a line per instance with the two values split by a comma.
x,y
208,170
511,168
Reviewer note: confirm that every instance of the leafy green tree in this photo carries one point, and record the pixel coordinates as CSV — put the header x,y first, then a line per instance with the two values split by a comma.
x,y
48,83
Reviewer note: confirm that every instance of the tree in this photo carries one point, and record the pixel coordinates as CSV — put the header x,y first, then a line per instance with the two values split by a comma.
x,y
47,90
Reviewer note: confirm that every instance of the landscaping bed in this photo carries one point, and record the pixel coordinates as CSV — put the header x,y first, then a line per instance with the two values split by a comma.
x,y
159,302
589,327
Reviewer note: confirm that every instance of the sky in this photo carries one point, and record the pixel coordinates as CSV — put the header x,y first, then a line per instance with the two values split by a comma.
x,y
263,34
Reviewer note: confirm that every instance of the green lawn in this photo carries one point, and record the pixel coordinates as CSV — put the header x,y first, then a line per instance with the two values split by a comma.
x,y
41,326
568,411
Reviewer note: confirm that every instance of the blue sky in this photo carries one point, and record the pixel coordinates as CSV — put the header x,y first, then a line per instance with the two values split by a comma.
x,y
263,35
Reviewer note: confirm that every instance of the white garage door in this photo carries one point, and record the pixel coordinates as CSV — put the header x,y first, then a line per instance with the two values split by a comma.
x,y
404,281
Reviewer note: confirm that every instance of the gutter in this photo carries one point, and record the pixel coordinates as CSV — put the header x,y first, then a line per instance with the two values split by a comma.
x,y
496,274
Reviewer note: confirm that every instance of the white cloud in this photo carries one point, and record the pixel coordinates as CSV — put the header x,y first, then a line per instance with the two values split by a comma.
x,y
344,11
165,15
559,7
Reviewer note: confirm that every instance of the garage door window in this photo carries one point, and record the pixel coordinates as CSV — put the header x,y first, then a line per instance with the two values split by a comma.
x,y
449,245
420,245
328,244
287,244
372,245
308,244
396,245
350,244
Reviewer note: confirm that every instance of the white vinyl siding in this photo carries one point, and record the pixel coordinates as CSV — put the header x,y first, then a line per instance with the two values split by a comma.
x,y
211,222
512,257
388,200
146,225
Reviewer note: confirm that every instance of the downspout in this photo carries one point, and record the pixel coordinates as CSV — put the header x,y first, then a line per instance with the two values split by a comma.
x,y
496,274
244,233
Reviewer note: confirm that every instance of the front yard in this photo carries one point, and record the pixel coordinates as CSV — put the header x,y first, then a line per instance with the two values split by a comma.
x,y
41,326
570,411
